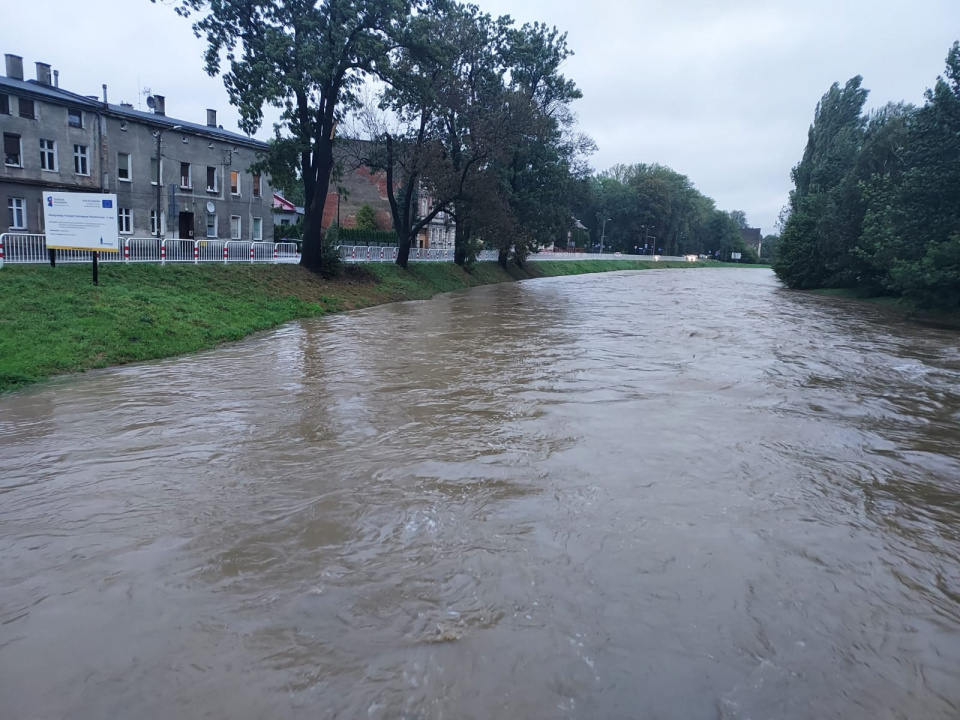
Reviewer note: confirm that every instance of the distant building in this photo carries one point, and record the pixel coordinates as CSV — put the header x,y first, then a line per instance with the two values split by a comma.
x,y
284,211
751,237
54,139
362,185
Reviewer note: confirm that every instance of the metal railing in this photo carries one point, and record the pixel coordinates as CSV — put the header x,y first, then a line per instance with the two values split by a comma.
x,y
31,249
23,248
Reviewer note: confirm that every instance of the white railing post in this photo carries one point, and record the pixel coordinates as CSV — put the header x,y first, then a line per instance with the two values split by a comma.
x,y
163,252
1,249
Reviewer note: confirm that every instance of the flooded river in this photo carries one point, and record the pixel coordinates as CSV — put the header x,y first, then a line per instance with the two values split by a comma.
x,y
675,494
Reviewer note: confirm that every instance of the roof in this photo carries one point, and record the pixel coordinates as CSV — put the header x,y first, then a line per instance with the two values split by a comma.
x,y
65,97
280,202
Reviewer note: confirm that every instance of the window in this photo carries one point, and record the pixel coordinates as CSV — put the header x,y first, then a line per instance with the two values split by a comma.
x,y
186,179
234,182
11,150
256,186
212,185
80,166
153,171
26,109
123,167
48,155
234,227
211,225
153,221
75,118
125,221
17,213
257,229
4,104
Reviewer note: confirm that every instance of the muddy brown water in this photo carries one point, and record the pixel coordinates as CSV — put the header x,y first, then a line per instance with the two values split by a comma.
x,y
675,494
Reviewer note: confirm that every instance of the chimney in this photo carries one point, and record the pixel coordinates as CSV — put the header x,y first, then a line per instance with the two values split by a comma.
x,y
211,118
43,73
161,108
14,67
56,78
104,93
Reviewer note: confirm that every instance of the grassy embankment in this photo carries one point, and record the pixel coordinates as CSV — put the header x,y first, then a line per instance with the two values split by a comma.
x,y
53,320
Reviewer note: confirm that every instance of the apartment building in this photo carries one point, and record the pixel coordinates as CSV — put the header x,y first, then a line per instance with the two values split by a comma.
x,y
54,139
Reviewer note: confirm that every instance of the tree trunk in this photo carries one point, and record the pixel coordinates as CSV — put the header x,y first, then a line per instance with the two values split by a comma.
x,y
461,237
312,232
403,251
502,258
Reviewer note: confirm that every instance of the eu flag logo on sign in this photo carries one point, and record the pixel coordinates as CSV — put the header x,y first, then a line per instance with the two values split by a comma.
x,y
108,203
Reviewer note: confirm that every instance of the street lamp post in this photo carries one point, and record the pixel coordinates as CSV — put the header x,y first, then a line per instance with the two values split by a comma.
x,y
603,234
160,132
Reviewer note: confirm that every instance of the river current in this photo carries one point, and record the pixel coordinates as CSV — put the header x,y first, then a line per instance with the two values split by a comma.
x,y
665,494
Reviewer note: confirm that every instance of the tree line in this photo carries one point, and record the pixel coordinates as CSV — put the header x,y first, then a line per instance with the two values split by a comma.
x,y
876,198
471,115
652,209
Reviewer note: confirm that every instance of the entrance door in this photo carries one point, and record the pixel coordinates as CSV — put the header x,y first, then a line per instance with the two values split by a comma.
x,y
186,226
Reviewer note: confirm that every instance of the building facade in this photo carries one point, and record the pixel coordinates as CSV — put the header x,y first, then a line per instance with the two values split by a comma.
x,y
57,140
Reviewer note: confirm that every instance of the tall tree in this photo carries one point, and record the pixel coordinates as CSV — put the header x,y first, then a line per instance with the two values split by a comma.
x,y
825,213
307,58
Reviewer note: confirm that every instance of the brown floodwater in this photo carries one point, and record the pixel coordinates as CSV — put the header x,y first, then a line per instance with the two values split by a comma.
x,y
675,494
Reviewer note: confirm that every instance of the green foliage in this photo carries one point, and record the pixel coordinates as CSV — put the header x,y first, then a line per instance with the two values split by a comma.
x,y
366,218
308,59
330,263
657,206
356,236
876,203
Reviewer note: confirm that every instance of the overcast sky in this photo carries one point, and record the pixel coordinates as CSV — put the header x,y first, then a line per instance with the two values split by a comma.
x,y
720,90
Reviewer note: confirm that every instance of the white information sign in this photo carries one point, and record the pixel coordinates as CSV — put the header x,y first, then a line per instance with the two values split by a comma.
x,y
81,221
736,256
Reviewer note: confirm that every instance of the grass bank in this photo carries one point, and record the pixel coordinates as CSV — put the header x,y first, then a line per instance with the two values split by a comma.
x,y
53,320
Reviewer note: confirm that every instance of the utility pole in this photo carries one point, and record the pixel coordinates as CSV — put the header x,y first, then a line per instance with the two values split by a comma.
x,y
603,234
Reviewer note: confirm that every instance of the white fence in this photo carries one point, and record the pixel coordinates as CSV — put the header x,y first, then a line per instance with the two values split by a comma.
x,y
32,249
25,249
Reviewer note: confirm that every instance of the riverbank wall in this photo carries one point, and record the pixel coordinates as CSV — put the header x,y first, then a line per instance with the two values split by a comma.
x,y
54,320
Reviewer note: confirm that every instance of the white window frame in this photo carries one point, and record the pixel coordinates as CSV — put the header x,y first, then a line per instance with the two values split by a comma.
x,y
257,222
46,153
79,156
19,154
129,177
235,193
216,178
17,205
239,233
125,220
214,216
153,222
153,175
189,185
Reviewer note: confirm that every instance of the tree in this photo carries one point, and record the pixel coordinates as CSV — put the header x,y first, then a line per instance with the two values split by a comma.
x,y
366,218
876,203
825,212
740,217
307,58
